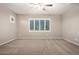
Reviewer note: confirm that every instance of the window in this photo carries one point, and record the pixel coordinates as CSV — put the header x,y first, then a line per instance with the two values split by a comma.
x,y
39,24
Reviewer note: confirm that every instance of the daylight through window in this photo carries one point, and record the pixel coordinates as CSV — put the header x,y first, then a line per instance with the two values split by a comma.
x,y
39,24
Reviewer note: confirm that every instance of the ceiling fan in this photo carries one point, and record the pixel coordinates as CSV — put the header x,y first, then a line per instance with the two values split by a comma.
x,y
41,4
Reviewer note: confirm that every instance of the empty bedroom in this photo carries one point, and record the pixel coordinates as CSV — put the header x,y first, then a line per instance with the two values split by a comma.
x,y
39,29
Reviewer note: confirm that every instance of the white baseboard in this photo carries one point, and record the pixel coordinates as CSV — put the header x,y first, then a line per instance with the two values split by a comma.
x,y
39,38
72,42
6,42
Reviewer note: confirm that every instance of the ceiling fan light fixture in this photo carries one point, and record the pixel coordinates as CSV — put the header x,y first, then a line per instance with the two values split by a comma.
x,y
43,9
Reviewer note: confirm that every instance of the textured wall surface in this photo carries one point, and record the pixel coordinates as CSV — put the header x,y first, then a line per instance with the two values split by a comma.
x,y
7,30
71,25
23,30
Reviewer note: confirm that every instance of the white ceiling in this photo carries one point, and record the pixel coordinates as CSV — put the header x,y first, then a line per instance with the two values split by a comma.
x,y
26,8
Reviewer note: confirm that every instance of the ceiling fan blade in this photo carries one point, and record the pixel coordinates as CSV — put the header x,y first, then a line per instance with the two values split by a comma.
x,y
41,4
49,5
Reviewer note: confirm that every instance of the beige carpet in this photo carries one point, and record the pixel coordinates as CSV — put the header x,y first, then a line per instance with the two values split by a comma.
x,y
39,47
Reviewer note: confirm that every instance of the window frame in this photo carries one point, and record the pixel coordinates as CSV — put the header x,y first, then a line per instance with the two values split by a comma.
x,y
39,24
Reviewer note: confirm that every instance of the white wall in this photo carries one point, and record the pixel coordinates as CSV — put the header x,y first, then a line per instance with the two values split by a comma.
x,y
70,25
66,26
7,30
23,30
